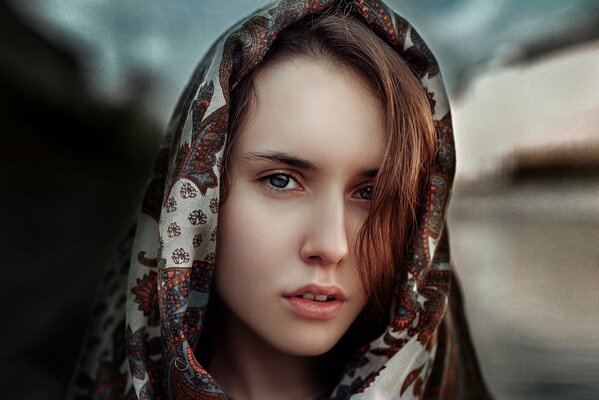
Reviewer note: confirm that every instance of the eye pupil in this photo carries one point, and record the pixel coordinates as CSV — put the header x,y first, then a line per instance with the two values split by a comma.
x,y
366,193
279,180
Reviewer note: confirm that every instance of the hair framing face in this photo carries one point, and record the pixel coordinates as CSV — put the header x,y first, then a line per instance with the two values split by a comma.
x,y
424,349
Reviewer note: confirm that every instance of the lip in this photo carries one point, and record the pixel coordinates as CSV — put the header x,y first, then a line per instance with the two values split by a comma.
x,y
319,290
316,310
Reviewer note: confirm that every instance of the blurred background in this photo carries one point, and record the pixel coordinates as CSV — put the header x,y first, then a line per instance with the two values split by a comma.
x,y
87,87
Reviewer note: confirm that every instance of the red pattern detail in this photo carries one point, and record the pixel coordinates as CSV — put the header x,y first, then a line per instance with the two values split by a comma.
x,y
148,262
146,295
196,161
405,300
411,378
368,381
194,364
437,198
184,389
379,16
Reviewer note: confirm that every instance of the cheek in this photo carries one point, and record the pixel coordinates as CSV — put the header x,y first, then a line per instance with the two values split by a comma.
x,y
237,233
253,243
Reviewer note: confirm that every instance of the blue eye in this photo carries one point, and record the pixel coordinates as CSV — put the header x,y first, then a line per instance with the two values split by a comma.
x,y
365,193
281,181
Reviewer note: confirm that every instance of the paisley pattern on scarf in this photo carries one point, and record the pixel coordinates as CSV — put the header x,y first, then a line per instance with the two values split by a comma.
x,y
150,356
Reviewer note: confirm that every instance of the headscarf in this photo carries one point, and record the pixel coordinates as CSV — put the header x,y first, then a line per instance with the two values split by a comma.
x,y
425,350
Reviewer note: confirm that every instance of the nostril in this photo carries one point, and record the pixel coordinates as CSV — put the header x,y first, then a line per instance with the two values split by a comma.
x,y
324,247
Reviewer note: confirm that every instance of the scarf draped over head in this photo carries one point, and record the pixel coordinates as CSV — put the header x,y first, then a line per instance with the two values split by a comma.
x,y
146,326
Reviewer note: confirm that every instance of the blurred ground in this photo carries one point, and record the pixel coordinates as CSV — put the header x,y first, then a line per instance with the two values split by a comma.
x,y
528,261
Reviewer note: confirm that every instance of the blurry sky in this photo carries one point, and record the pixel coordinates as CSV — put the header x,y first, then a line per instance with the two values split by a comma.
x,y
166,38
551,103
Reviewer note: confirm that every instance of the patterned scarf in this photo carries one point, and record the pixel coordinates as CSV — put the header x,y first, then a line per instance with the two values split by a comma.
x,y
145,327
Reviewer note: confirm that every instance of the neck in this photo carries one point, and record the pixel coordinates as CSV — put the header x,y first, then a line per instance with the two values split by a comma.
x,y
247,367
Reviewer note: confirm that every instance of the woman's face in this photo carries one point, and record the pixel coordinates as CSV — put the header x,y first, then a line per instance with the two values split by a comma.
x,y
301,175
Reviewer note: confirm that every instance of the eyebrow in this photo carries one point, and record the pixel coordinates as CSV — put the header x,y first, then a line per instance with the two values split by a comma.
x,y
281,157
370,173
286,158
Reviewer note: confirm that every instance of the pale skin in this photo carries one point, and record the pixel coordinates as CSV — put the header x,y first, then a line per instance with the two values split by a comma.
x,y
301,175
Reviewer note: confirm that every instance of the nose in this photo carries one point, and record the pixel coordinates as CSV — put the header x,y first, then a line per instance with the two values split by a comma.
x,y
325,241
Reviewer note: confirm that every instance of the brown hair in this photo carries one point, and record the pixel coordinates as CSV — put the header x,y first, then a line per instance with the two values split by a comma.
x,y
338,40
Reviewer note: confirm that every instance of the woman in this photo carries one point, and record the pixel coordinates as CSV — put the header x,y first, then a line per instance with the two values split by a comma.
x,y
317,136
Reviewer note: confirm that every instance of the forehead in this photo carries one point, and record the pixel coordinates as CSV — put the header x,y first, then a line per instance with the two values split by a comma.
x,y
328,116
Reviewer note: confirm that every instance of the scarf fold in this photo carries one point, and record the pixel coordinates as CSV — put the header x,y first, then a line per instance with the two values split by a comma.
x,y
151,307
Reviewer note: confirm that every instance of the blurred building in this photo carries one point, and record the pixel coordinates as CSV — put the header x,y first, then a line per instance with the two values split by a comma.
x,y
524,224
72,167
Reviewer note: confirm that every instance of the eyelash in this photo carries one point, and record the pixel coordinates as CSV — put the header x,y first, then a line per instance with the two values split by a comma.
x,y
266,181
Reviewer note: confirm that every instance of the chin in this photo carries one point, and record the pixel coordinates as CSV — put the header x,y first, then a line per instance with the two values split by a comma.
x,y
307,342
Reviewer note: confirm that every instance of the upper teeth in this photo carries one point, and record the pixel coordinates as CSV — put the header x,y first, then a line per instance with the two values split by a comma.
x,y
310,296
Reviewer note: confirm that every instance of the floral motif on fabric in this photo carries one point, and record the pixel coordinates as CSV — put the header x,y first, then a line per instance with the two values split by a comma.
x,y
446,153
197,217
173,230
210,258
142,353
174,289
420,57
146,295
196,160
171,204
197,240
180,256
214,205
137,352
187,191
436,211
381,21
